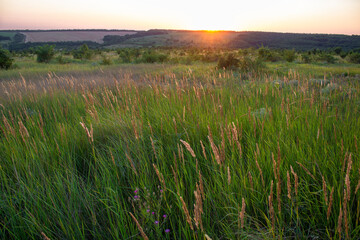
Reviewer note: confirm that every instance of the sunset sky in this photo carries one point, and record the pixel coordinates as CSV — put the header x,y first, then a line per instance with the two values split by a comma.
x,y
304,16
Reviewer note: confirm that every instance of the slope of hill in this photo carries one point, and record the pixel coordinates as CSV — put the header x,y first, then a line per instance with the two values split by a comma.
x,y
176,38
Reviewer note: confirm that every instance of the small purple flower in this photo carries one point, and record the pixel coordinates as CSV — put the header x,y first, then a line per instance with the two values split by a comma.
x,y
136,196
156,222
136,190
164,216
147,210
167,230
161,190
152,213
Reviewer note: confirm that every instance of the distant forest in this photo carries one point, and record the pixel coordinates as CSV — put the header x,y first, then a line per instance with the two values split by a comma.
x,y
300,42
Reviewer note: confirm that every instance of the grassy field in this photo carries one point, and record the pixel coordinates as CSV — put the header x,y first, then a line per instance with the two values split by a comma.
x,y
174,151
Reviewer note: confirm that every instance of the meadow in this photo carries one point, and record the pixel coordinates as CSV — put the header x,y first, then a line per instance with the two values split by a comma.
x,y
179,150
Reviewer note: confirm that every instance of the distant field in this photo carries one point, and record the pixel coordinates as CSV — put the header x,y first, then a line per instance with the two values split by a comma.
x,y
71,36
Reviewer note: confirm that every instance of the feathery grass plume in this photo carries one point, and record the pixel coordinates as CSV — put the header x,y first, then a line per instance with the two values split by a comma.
x,y
153,146
274,166
258,166
207,237
139,227
215,150
131,163
347,178
355,142
330,204
160,176
188,218
288,184
203,149
188,147
198,208
23,131
90,134
307,171
8,126
229,175
175,178
242,213
251,181
324,190
44,236
271,207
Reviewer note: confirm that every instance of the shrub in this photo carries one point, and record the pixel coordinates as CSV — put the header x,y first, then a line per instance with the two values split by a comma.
x,y
83,53
45,53
306,58
228,61
248,64
289,55
354,57
106,60
267,55
5,59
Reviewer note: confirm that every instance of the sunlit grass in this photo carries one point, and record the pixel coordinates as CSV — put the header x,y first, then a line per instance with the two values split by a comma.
x,y
186,149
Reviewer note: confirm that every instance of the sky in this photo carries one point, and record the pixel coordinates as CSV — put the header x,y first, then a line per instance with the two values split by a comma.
x,y
301,16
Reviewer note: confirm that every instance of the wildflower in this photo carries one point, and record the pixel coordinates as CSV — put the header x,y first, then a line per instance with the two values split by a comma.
x,y
136,190
152,213
167,230
156,222
164,216
136,196
147,210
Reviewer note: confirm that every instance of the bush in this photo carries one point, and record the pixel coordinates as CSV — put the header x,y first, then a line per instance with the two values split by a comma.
x,y
267,55
106,60
45,53
248,64
5,59
289,55
83,53
306,58
354,57
228,61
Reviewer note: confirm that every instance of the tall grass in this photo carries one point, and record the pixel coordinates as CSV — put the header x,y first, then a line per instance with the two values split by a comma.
x,y
180,155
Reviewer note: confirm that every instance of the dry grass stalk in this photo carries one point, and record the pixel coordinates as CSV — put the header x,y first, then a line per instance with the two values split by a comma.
x,y
251,181
139,227
345,217
23,131
274,166
330,204
188,218
242,213
223,146
307,171
44,236
339,221
296,180
153,146
358,185
324,190
201,185
215,150
271,207
344,162
347,178
258,166
288,185
203,149
131,163
188,147
90,134
229,175
198,208
160,176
